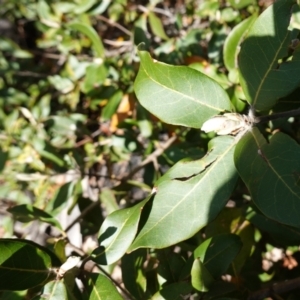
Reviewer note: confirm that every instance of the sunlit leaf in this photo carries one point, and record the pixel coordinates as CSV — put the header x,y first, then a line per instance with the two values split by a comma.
x,y
84,5
201,278
178,95
156,26
231,45
53,290
188,198
117,233
91,33
102,288
263,76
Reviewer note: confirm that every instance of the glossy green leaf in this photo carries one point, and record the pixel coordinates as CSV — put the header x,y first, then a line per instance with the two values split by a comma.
x,y
218,252
271,172
232,42
201,278
23,264
117,233
91,33
183,205
157,26
178,95
27,213
264,77
53,290
101,288
175,291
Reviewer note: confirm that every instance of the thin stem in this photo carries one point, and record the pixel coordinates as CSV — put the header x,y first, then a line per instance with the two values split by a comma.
x,y
151,157
84,212
114,24
115,282
286,114
278,288
85,260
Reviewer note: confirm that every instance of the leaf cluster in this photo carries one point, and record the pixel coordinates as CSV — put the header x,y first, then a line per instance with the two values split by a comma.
x,y
106,177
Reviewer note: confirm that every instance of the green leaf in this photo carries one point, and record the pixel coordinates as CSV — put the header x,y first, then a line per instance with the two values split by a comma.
x,y
233,220
157,26
170,265
240,3
84,5
232,42
23,264
201,278
95,76
117,233
91,33
183,205
271,172
47,15
53,290
133,274
175,291
112,105
27,213
263,77
178,95
102,288
218,252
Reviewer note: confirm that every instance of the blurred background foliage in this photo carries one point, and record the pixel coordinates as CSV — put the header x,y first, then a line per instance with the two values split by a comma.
x,y
67,107
72,132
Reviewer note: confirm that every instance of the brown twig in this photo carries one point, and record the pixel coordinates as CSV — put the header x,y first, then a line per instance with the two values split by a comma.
x,y
155,9
112,23
88,138
151,157
276,288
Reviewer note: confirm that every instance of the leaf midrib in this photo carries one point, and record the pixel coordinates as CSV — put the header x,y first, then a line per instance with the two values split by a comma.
x,y
181,94
275,58
195,186
273,169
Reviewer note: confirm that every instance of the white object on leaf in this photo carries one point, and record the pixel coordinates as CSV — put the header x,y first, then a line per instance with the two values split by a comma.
x,y
71,262
229,123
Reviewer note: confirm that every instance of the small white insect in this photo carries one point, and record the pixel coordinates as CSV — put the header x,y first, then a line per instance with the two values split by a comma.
x,y
229,123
